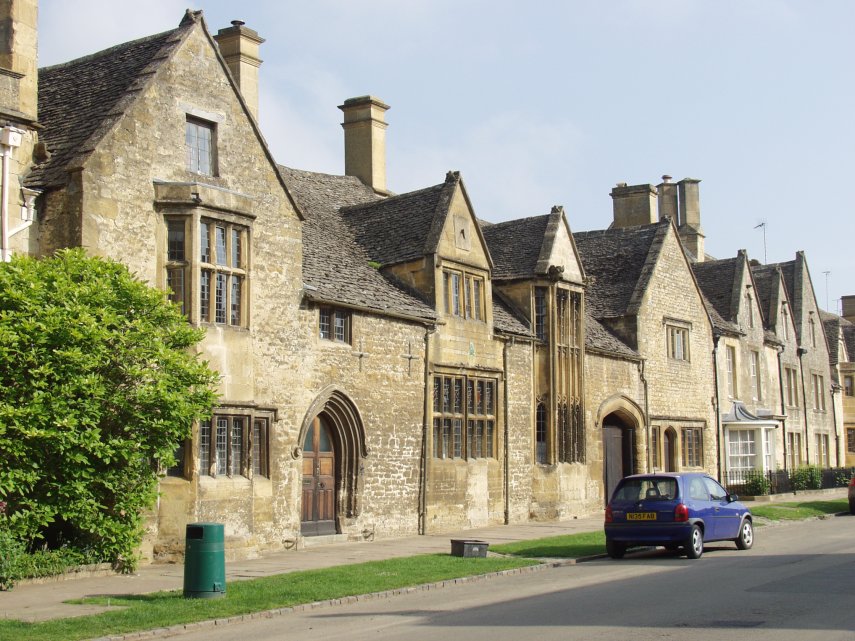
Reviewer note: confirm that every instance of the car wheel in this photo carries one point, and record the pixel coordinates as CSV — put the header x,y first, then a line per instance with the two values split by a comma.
x,y
695,543
851,506
615,550
746,535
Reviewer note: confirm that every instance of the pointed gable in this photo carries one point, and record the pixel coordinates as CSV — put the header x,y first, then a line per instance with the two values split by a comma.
x,y
529,247
620,262
79,101
335,268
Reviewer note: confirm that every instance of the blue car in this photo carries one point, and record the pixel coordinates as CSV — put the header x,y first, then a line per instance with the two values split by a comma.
x,y
677,510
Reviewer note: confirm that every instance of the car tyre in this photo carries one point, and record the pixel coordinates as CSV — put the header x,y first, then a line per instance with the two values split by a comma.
x,y
695,543
615,550
851,506
746,535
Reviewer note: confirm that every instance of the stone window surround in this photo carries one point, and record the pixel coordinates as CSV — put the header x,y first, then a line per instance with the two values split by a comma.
x,y
335,324
195,202
454,423
464,294
674,328
256,445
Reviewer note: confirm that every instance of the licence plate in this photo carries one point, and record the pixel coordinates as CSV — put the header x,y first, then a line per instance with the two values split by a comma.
x,y
641,516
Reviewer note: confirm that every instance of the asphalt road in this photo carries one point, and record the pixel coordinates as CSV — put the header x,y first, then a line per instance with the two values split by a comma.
x,y
797,583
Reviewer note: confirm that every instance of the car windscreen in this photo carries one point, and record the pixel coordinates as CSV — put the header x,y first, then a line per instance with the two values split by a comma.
x,y
662,489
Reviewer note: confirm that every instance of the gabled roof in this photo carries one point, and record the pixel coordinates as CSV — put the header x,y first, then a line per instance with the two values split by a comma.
x,y
404,227
79,101
507,318
849,339
620,263
516,246
336,268
767,279
717,279
834,325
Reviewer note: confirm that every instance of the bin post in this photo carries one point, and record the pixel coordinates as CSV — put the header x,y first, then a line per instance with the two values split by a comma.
x,y
204,561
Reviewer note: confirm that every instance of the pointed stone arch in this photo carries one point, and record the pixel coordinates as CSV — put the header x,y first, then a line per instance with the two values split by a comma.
x,y
620,420
348,434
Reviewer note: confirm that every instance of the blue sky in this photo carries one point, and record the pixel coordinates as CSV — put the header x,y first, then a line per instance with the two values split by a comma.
x,y
544,103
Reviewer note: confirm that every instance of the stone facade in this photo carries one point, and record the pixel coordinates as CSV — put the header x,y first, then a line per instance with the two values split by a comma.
x,y
390,364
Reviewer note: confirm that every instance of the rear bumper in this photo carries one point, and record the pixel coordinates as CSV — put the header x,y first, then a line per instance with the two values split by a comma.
x,y
649,533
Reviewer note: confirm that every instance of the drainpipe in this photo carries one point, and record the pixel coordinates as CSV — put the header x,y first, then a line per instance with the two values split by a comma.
x,y
717,403
10,138
507,430
783,404
835,388
425,433
646,412
801,351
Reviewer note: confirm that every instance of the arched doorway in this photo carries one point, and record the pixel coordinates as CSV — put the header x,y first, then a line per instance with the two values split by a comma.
x,y
617,451
333,451
669,445
319,483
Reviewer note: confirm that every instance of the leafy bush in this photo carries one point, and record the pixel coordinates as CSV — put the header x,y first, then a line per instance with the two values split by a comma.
x,y
756,484
11,553
842,477
806,477
98,383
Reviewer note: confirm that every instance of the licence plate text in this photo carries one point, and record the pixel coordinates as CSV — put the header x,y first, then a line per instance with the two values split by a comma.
x,y
641,516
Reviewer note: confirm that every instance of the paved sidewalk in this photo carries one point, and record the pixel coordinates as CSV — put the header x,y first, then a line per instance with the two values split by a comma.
x,y
39,602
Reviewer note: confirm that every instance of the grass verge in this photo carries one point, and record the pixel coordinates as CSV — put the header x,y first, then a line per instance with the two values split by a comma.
x,y
571,546
797,510
162,609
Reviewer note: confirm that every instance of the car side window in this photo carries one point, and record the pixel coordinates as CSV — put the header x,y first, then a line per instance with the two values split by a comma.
x,y
697,491
717,492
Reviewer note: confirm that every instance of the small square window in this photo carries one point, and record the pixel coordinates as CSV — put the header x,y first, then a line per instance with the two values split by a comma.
x,y
334,324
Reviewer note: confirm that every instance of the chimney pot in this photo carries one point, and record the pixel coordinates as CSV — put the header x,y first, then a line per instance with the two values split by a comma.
x,y
666,178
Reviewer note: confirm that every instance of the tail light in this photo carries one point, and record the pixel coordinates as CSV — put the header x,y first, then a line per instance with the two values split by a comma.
x,y
681,513
609,516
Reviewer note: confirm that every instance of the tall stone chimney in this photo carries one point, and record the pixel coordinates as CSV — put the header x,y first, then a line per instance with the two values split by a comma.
x,y
689,220
634,205
848,308
239,47
365,140
668,207
19,77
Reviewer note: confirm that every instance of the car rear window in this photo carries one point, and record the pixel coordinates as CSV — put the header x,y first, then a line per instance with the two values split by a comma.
x,y
663,489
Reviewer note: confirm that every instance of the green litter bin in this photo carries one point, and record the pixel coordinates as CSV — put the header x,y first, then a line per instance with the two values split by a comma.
x,y
204,561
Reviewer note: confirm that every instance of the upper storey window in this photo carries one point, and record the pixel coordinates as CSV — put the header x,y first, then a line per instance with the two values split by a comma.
x,y
200,142
464,295
678,342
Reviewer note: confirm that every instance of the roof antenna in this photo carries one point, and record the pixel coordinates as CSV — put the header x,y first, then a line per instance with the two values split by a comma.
x,y
763,225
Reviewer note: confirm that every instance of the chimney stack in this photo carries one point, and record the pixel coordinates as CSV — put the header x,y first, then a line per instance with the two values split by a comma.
x,y
634,205
239,47
365,140
848,308
668,207
689,224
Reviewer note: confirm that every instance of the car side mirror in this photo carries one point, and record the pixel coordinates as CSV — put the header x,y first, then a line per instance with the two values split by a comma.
x,y
732,497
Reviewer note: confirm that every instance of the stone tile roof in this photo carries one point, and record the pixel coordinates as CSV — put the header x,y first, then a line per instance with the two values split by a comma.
x,y
599,339
834,325
507,319
336,268
619,263
515,246
849,339
403,227
717,279
766,280
80,101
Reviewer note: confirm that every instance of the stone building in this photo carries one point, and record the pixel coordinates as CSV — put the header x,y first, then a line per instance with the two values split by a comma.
x,y
840,332
643,292
390,364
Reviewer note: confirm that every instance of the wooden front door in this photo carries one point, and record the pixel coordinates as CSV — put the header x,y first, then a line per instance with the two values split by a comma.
x,y
669,446
318,481
612,458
